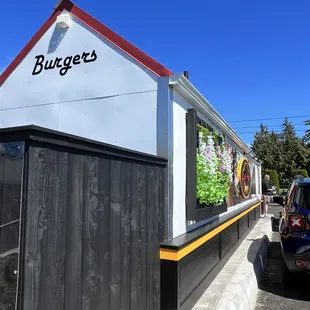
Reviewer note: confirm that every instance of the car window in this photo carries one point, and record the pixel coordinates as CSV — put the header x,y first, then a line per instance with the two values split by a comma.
x,y
302,197
290,192
297,196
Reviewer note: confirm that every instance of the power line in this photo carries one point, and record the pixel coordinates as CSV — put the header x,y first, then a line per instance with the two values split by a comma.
x,y
251,132
257,126
267,119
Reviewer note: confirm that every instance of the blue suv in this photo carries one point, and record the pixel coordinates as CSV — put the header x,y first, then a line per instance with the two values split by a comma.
x,y
294,228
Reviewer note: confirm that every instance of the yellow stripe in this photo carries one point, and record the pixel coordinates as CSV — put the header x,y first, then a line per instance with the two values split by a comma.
x,y
177,255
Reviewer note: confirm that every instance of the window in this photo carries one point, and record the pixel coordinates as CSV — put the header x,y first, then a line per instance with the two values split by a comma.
x,y
290,193
11,166
302,197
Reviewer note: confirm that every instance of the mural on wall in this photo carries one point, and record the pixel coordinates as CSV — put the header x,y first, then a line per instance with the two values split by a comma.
x,y
224,175
241,188
214,167
244,177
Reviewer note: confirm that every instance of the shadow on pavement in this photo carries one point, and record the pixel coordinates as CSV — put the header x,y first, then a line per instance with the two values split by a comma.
x,y
272,277
269,277
262,247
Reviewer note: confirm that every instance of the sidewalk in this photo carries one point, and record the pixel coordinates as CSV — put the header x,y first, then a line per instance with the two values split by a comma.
x,y
236,286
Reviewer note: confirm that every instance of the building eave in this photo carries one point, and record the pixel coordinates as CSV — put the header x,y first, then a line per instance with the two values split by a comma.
x,y
185,88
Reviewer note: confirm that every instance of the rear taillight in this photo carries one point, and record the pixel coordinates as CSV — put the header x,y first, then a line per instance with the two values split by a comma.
x,y
296,222
300,263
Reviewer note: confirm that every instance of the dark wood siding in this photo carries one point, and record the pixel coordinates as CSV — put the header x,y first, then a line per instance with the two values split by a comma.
x,y
229,237
251,217
243,225
183,281
92,232
201,263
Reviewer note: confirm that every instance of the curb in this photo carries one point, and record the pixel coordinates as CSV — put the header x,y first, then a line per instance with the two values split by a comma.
x,y
236,286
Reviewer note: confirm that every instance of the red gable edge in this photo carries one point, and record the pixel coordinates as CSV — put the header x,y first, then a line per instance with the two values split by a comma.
x,y
94,24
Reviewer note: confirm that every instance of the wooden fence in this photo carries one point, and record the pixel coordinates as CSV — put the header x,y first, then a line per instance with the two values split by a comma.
x,y
93,217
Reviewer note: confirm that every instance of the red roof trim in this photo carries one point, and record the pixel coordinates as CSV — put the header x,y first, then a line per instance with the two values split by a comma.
x,y
91,22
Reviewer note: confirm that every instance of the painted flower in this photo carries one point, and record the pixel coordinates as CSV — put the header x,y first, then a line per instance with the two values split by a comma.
x,y
214,169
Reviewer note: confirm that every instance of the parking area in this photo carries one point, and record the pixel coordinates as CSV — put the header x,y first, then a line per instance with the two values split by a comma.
x,y
272,293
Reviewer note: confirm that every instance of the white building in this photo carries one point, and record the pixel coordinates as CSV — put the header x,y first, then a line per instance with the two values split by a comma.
x,y
77,76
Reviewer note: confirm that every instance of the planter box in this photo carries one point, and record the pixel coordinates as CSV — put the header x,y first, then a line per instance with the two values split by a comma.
x,y
205,212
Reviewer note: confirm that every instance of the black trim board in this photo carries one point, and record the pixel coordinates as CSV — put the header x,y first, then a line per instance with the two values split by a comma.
x,y
182,241
191,171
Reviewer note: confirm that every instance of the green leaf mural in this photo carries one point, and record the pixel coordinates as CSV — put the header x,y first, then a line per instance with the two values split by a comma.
x,y
214,168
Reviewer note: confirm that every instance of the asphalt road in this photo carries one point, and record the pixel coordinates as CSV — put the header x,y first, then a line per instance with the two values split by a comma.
x,y
273,294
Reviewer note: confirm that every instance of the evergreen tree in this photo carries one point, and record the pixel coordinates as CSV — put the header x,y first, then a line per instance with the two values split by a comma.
x,y
267,147
282,152
289,143
306,140
306,137
296,155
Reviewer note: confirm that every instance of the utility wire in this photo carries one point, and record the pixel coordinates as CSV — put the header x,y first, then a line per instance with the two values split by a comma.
x,y
239,133
257,126
267,119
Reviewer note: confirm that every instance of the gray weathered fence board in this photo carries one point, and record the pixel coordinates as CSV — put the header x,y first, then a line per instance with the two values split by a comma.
x,y
92,233
74,218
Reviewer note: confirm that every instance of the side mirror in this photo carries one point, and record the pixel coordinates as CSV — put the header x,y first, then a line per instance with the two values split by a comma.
x,y
279,200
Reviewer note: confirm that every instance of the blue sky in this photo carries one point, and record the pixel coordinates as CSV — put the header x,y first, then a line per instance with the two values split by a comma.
x,y
250,59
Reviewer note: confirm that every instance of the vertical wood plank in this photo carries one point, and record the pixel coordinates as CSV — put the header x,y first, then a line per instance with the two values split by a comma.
x,y
150,236
156,236
89,263
143,238
125,235
96,189
53,260
163,220
115,234
104,219
45,233
35,229
73,281
135,200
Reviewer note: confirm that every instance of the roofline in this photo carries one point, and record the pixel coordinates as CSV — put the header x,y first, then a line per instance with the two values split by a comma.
x,y
183,86
128,48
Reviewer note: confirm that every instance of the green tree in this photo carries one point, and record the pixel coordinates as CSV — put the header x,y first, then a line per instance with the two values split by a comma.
x,y
267,147
303,172
295,152
306,140
306,137
284,152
